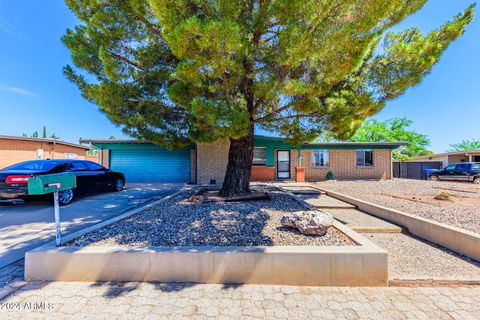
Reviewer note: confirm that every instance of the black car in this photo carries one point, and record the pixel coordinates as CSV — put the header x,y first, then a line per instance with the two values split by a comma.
x,y
90,177
464,171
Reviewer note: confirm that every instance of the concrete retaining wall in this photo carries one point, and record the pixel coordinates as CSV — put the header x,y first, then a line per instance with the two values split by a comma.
x,y
362,265
459,240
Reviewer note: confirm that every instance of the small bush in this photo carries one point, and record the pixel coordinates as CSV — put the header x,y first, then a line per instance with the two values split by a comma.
x,y
330,175
443,196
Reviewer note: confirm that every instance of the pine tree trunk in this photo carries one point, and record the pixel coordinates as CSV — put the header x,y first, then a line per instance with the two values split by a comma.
x,y
240,155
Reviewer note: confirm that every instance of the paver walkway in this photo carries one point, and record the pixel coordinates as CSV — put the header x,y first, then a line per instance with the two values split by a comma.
x,y
62,300
362,222
325,202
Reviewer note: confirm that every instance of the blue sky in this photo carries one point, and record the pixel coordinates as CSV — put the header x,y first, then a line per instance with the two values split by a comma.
x,y
34,92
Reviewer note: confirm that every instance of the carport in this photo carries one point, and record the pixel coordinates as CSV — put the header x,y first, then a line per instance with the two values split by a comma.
x,y
144,162
452,157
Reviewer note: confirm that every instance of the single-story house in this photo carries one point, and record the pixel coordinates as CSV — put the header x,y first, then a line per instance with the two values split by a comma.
x,y
452,157
274,159
18,149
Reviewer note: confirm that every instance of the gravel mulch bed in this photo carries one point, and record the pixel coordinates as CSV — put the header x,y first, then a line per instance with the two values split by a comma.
x,y
179,222
411,258
462,211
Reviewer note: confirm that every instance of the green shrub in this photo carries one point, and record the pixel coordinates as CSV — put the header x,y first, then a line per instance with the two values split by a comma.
x,y
330,175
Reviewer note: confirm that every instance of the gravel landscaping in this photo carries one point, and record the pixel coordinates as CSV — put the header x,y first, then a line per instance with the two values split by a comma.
x,y
180,222
412,258
417,197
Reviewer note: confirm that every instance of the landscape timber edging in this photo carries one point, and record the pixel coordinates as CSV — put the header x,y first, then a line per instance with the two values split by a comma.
x,y
363,265
456,239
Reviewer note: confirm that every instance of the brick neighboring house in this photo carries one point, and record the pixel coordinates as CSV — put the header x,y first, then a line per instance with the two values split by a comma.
x,y
274,159
452,157
18,149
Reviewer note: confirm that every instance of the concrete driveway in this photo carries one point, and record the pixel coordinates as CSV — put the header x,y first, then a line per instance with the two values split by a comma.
x,y
24,227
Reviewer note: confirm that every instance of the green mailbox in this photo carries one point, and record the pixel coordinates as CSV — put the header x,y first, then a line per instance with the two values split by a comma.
x,y
51,183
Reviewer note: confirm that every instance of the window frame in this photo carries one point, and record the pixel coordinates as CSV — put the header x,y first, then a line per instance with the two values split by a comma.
x,y
364,158
264,162
320,151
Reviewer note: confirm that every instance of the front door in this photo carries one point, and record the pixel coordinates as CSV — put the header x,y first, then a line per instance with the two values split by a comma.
x,y
283,164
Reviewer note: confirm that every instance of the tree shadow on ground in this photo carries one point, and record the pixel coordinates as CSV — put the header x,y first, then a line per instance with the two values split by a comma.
x,y
184,223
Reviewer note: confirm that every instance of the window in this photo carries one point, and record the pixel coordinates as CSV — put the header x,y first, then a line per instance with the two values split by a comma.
x,y
462,167
92,166
34,165
259,156
92,152
76,166
475,166
320,158
451,167
364,158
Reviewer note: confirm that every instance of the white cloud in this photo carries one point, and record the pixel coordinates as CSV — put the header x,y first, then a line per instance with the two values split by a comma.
x,y
18,90
7,27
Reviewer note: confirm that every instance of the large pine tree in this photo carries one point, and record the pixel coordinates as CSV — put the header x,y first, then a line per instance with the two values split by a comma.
x,y
180,71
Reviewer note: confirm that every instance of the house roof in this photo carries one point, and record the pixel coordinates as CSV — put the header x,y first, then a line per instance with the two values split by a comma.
x,y
453,153
52,141
387,145
112,141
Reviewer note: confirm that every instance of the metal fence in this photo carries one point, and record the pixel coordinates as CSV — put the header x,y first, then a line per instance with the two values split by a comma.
x,y
414,169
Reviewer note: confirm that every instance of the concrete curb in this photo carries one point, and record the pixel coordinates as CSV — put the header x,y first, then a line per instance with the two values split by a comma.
x,y
363,265
459,240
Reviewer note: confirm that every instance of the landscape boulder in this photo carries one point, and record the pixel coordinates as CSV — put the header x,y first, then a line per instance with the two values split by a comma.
x,y
308,222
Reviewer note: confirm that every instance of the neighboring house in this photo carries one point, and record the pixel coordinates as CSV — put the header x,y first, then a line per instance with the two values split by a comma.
x,y
452,157
17,149
274,159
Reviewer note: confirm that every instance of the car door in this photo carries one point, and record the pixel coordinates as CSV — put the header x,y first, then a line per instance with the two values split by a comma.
x,y
85,181
462,172
102,176
447,173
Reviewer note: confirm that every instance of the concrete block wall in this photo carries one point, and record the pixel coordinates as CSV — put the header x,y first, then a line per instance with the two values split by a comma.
x,y
456,158
212,161
193,166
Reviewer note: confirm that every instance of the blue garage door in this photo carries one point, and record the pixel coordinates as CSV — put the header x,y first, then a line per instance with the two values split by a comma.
x,y
152,165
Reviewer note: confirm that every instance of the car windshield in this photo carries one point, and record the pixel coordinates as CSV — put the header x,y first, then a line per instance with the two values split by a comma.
x,y
35,165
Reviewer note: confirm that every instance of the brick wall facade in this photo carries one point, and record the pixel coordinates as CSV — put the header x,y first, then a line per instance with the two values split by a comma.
x,y
343,166
104,157
13,151
212,163
93,158
263,173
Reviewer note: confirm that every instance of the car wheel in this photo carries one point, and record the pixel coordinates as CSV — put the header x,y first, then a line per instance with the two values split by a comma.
x,y
476,181
118,185
65,197
433,178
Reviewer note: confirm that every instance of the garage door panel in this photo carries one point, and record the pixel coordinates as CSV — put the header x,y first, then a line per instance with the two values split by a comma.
x,y
152,165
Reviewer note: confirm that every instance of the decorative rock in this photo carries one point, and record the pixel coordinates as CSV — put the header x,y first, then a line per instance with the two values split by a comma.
x,y
289,220
308,222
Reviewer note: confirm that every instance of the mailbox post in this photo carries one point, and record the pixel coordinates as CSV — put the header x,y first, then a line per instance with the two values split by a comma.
x,y
53,183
